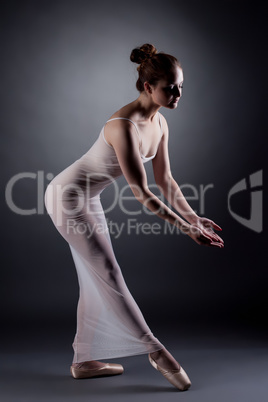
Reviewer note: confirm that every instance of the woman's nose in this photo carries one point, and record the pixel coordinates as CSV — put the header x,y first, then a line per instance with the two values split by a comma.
x,y
177,92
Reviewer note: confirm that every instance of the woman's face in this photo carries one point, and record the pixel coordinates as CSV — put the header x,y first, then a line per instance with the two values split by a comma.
x,y
168,91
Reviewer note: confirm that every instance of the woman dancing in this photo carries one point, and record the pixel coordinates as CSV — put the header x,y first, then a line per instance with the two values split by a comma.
x,y
109,322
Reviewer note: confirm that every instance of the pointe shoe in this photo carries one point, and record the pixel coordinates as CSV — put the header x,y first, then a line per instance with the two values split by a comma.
x,y
108,369
178,378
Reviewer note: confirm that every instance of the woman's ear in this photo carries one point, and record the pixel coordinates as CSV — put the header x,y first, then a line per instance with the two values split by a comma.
x,y
147,87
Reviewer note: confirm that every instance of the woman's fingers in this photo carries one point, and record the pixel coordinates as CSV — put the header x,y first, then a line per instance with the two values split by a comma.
x,y
206,236
215,226
213,235
218,238
213,244
207,241
208,223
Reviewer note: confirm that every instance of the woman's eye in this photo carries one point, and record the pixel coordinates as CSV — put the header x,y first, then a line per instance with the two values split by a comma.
x,y
172,87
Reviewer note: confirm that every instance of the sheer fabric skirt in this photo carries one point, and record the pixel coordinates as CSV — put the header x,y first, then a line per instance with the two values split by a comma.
x,y
109,321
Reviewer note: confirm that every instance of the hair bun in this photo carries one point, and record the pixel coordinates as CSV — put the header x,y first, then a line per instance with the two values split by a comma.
x,y
142,53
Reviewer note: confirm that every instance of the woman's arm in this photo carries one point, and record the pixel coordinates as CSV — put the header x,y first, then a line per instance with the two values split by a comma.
x,y
123,138
165,181
172,192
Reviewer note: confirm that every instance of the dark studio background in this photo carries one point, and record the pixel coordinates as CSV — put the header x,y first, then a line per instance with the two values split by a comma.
x,y
65,70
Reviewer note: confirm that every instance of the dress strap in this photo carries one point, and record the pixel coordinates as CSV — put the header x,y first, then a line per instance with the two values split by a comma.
x,y
125,118
160,121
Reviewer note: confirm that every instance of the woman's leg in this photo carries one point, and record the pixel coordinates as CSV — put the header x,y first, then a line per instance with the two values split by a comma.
x,y
109,322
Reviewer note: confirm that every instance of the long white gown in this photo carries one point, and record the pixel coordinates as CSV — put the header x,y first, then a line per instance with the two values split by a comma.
x,y
109,321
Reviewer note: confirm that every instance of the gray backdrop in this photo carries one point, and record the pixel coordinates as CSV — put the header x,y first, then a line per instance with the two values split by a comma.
x,y
65,70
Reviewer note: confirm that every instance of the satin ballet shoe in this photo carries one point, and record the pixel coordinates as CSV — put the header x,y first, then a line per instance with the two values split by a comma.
x,y
108,369
178,378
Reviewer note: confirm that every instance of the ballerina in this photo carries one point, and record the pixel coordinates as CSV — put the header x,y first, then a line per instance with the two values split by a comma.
x,y
109,321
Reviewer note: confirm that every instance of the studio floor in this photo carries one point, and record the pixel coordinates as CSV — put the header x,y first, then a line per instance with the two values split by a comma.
x,y
226,367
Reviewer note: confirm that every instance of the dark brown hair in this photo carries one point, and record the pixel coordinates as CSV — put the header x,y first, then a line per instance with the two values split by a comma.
x,y
153,66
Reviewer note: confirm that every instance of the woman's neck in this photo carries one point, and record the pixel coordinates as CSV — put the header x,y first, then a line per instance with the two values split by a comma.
x,y
145,107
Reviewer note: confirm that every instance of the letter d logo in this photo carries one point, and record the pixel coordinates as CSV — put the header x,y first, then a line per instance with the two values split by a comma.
x,y
255,221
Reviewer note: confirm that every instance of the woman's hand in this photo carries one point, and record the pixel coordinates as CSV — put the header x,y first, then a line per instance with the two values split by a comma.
x,y
201,231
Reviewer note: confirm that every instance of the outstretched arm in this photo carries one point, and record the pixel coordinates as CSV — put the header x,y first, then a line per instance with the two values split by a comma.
x,y
124,140
172,192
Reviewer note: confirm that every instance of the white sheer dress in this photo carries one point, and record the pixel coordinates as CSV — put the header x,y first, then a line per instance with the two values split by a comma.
x,y
109,321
